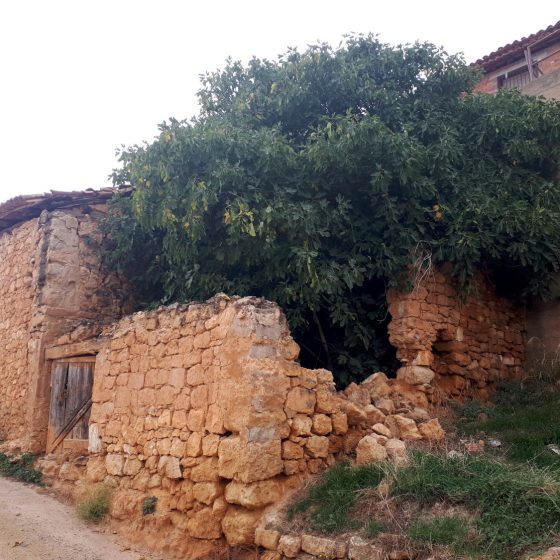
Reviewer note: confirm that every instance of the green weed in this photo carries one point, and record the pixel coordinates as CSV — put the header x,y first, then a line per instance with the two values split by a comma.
x,y
526,419
20,468
329,502
95,505
373,528
515,507
149,505
469,411
439,530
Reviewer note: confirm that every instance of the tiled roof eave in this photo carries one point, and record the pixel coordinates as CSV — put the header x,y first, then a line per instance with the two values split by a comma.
x,y
514,51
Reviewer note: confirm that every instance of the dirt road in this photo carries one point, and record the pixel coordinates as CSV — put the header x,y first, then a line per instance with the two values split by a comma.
x,y
34,526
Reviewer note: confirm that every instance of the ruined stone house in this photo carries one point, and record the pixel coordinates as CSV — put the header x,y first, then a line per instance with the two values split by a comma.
x,y
50,279
205,406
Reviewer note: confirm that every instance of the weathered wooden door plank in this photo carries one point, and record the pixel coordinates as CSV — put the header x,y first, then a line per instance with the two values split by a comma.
x,y
71,390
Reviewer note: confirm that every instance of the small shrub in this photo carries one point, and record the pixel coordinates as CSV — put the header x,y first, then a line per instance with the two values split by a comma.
x,y
373,528
20,468
149,505
95,505
330,500
439,530
470,410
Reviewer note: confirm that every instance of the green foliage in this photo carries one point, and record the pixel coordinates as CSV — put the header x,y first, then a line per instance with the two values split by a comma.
x,y
94,507
526,421
315,180
439,530
470,410
517,506
149,505
328,502
20,468
373,528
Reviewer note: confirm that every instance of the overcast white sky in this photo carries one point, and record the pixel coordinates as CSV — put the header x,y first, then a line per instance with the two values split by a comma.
x,y
79,78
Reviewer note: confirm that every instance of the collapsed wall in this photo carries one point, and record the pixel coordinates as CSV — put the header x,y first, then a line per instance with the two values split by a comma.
x,y
455,345
204,407
51,279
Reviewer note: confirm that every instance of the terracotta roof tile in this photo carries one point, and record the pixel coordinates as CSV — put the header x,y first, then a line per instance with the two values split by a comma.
x,y
513,51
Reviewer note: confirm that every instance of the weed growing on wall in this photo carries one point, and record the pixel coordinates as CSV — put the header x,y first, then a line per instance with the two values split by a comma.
x,y
149,505
94,506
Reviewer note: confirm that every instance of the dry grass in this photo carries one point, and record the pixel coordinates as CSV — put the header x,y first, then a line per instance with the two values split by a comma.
x,y
94,506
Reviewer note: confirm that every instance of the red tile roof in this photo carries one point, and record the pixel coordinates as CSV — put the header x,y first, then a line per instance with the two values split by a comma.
x,y
514,51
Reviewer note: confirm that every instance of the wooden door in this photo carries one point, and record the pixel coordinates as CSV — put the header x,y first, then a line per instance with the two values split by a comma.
x,y
71,388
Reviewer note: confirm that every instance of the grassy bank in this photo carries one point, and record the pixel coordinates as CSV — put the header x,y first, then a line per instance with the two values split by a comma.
x,y
501,504
525,419
476,506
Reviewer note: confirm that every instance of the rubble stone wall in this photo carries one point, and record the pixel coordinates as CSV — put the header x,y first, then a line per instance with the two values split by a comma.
x,y
18,252
204,407
453,345
50,280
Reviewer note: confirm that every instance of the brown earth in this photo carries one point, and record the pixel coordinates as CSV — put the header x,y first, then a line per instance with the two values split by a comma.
x,y
34,526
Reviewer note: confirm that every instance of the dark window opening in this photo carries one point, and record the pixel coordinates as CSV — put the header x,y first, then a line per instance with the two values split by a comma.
x,y
515,79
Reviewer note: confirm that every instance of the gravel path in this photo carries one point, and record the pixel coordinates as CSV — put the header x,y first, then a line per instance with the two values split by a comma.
x,y
35,526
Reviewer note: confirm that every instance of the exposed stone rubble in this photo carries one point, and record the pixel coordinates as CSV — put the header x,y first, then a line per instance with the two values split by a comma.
x,y
383,414
205,406
279,546
454,345
18,251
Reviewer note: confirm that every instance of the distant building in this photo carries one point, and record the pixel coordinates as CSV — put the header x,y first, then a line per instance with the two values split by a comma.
x,y
531,64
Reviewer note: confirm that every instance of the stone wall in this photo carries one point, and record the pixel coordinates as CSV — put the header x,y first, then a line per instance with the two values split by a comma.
x,y
204,407
50,280
18,253
469,343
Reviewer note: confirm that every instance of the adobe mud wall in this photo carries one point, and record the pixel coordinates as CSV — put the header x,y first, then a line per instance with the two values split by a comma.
x,y
450,346
50,279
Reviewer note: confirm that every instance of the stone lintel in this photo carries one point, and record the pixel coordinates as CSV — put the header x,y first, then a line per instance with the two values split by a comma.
x,y
88,347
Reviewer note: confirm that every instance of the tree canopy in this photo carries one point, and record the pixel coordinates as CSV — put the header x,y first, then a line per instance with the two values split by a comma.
x,y
316,179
